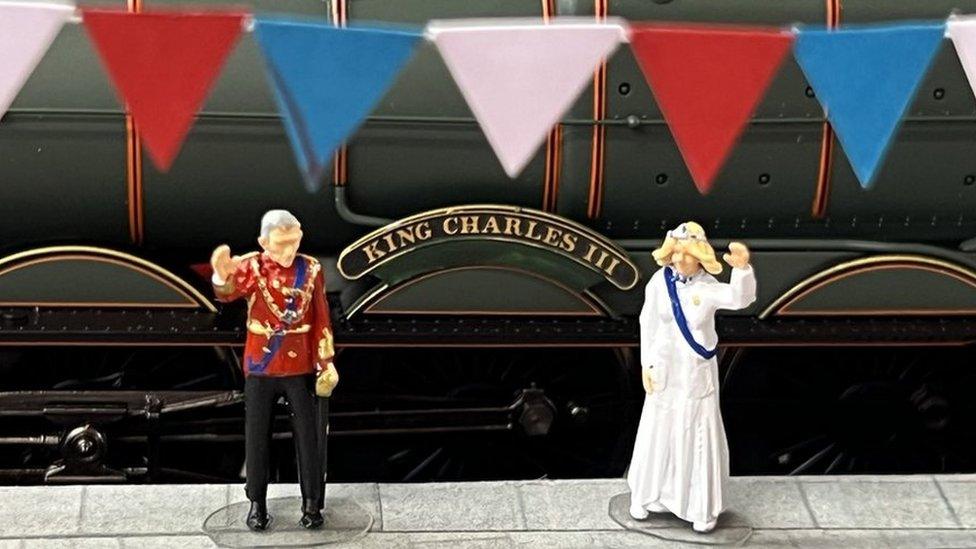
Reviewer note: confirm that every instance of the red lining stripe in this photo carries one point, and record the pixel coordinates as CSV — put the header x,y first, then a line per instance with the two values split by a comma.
x,y
554,144
133,164
595,198
822,194
550,182
340,16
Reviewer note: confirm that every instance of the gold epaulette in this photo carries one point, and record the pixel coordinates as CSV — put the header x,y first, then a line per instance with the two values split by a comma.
x,y
314,266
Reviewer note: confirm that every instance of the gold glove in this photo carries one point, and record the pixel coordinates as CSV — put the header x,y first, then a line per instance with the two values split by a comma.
x,y
648,382
327,380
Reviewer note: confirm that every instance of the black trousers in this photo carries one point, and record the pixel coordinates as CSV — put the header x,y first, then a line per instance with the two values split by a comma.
x,y
260,394
323,430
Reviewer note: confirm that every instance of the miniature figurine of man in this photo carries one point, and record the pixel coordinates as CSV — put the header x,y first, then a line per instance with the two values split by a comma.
x,y
681,458
288,352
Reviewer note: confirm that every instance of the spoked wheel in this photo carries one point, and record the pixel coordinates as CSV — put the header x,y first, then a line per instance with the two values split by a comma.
x,y
850,410
113,414
476,414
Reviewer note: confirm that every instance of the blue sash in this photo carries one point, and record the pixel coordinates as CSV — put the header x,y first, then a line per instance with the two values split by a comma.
x,y
679,317
290,316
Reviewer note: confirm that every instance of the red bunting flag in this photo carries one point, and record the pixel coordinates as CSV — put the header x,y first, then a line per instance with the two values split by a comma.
x,y
163,64
707,81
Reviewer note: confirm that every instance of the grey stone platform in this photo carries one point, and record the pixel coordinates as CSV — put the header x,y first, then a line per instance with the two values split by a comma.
x,y
899,511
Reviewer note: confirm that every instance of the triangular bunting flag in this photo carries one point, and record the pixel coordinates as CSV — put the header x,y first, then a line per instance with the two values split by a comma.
x,y
520,76
327,80
866,77
962,30
26,32
163,64
707,82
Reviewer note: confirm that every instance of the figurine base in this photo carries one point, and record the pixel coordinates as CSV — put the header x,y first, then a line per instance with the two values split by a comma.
x,y
731,529
345,520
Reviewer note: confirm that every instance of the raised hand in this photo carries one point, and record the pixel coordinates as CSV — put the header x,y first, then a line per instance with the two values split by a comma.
x,y
222,262
738,256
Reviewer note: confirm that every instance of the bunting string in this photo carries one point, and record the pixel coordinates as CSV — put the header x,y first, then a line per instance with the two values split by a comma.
x,y
519,77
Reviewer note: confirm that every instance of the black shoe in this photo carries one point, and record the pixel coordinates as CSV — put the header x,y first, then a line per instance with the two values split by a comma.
x,y
311,516
257,517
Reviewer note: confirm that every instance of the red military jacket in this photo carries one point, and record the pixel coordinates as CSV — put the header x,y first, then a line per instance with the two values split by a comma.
x,y
288,329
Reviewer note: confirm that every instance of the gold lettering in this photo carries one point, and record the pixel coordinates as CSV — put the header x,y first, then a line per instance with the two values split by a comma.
x,y
569,242
513,225
529,232
448,226
491,226
589,253
422,230
372,251
469,224
608,269
389,242
552,236
406,236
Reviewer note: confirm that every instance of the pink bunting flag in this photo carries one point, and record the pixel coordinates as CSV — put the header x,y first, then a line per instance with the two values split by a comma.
x,y
962,31
27,30
520,76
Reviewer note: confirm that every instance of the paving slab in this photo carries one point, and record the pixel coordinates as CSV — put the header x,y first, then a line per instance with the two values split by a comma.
x,y
765,502
878,502
864,539
942,539
433,540
510,540
71,543
920,511
570,504
515,540
961,496
32,512
562,540
451,506
150,509
166,542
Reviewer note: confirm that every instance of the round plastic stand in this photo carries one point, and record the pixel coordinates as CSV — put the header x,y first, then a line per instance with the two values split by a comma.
x,y
731,529
345,520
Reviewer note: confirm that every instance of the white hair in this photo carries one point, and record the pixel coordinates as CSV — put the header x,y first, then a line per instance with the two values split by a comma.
x,y
275,219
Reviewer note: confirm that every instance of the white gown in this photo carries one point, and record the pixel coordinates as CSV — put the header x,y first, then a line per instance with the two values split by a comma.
x,y
681,455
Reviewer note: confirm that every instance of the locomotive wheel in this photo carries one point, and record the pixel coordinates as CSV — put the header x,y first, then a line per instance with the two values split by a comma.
x,y
850,410
572,413
127,447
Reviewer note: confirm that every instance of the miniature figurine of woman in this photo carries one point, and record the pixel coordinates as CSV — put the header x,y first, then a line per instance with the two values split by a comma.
x,y
681,457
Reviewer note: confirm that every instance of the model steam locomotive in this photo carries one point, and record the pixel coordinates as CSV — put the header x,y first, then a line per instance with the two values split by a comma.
x,y
472,351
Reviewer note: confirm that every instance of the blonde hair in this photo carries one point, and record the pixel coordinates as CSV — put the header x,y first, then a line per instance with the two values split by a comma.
x,y
696,245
